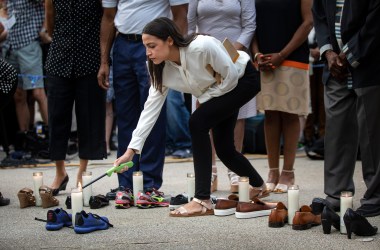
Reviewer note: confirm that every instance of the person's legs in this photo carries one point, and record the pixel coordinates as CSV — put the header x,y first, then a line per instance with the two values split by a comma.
x,y
131,84
60,101
109,122
291,129
341,140
369,124
272,131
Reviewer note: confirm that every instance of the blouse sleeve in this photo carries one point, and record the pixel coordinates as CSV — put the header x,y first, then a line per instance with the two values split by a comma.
x,y
248,22
148,117
192,16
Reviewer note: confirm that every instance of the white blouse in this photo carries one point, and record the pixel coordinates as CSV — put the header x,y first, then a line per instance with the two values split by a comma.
x,y
191,77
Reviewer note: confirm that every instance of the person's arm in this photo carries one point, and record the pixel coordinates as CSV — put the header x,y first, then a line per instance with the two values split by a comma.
x,y
107,36
1,28
248,24
49,17
367,37
299,36
192,16
180,17
3,33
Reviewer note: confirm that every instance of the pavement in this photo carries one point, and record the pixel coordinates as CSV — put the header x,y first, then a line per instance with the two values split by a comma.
x,y
153,228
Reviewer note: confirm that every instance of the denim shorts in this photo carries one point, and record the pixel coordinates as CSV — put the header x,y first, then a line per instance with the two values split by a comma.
x,y
28,62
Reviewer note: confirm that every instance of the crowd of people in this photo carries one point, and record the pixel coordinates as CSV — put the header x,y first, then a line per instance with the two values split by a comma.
x,y
109,59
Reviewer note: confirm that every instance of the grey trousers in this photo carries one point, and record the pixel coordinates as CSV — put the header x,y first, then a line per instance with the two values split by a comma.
x,y
352,117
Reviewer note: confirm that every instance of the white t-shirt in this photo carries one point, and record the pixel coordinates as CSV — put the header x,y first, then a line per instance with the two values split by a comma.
x,y
133,15
191,77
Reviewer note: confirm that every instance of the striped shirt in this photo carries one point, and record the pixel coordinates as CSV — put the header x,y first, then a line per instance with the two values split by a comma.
x,y
29,16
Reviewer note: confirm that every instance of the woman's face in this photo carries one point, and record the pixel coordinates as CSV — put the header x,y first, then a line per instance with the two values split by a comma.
x,y
157,50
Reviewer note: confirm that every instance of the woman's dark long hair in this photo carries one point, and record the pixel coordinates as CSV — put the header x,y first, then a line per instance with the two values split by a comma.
x,y
163,28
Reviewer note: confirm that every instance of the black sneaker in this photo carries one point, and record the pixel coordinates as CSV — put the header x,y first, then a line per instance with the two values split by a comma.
x,y
177,201
111,195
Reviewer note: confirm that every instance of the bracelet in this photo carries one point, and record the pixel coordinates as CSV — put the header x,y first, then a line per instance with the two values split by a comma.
x,y
256,55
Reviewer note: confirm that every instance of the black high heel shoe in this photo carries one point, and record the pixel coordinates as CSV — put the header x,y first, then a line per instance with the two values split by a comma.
x,y
355,223
62,186
329,218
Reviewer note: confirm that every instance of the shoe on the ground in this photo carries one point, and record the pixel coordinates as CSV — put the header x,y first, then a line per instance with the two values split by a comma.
x,y
256,208
124,199
182,154
225,207
47,198
369,210
26,198
111,195
178,201
68,202
3,201
234,182
58,218
278,216
305,219
152,198
98,201
88,222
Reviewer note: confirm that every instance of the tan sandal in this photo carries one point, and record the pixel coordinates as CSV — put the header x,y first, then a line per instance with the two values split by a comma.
x,y
47,198
234,182
26,198
280,187
258,192
206,210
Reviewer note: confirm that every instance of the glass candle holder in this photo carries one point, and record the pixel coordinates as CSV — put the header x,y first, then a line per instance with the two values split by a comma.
x,y
76,201
293,202
87,192
37,183
138,184
346,201
190,185
244,188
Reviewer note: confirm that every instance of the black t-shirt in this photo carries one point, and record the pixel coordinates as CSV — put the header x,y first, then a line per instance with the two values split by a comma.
x,y
277,21
75,49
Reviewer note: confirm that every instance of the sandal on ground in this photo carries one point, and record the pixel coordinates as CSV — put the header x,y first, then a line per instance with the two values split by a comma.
x,y
280,187
234,181
258,192
206,210
47,198
26,198
270,185
3,201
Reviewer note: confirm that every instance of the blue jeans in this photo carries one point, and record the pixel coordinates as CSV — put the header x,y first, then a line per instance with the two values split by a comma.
x,y
131,85
177,127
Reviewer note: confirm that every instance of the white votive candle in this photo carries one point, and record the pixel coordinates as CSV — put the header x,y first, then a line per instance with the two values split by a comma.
x,y
293,202
346,200
190,186
138,184
76,201
37,182
244,188
87,192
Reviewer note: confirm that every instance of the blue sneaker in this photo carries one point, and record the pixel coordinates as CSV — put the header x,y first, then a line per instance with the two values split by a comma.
x,y
87,223
58,218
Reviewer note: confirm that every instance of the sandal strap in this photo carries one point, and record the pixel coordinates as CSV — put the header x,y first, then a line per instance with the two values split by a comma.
x,y
26,190
288,171
204,204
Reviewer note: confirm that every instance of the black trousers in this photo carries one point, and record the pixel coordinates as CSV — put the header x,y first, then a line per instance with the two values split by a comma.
x,y
90,112
220,114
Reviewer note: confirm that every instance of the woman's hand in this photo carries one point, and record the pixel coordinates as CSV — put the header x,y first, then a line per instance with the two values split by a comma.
x,y
269,62
127,156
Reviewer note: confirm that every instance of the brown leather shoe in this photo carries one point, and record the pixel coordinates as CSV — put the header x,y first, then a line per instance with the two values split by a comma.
x,y
26,198
256,208
305,219
278,216
225,207
47,198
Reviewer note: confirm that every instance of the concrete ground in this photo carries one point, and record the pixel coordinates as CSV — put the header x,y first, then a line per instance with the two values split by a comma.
x,y
153,228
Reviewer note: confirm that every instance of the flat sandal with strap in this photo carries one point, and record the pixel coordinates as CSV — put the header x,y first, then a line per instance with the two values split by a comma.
x,y
206,210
